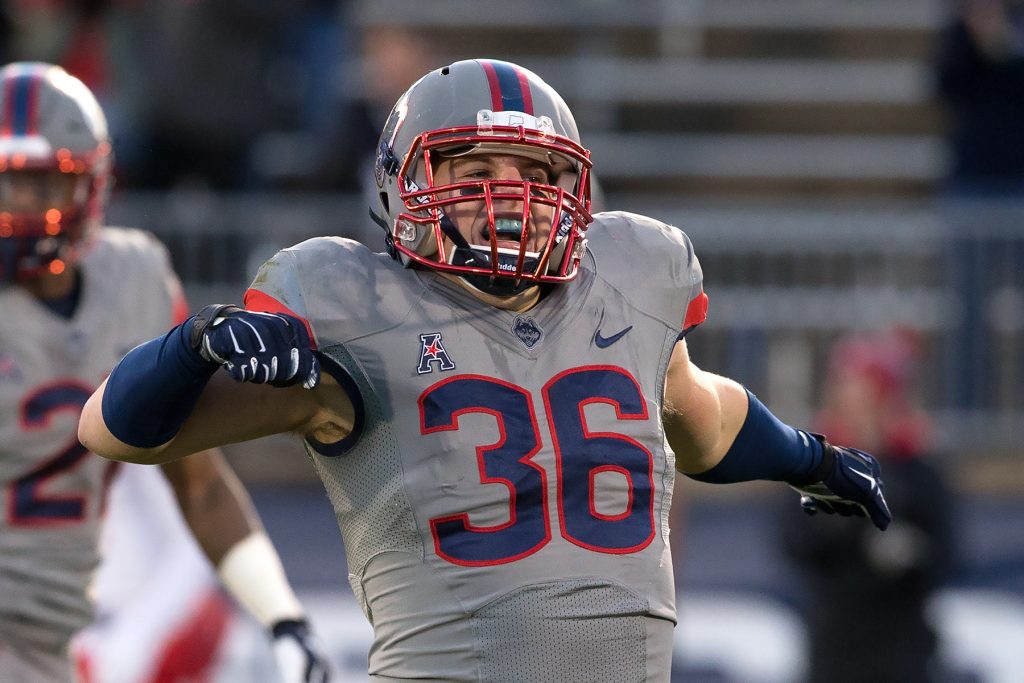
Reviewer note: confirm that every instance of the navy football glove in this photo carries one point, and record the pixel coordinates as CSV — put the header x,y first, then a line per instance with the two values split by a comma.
x,y
298,655
848,482
264,348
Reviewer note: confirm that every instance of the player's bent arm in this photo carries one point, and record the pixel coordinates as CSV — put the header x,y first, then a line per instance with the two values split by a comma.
x,y
166,398
229,412
95,436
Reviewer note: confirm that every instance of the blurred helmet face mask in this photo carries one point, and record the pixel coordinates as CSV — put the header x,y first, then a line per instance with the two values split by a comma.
x,y
55,160
531,226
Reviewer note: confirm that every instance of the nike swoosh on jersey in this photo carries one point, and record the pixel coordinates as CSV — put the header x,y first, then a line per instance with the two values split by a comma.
x,y
605,342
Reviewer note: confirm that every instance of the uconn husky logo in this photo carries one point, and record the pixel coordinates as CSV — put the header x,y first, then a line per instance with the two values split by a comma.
x,y
527,330
432,351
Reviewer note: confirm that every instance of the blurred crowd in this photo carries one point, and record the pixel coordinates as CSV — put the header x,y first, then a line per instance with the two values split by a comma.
x,y
285,94
225,94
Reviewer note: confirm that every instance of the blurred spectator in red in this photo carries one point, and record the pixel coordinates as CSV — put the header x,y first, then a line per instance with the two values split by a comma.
x,y
867,593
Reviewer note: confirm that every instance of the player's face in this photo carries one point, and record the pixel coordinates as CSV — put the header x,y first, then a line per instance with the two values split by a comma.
x,y
35,192
470,217
37,207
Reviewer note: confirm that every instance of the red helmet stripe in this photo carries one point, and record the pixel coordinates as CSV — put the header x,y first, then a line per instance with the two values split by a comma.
x,y
492,80
524,86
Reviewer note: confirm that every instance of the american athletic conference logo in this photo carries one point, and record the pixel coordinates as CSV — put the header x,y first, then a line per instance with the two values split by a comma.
x,y
432,351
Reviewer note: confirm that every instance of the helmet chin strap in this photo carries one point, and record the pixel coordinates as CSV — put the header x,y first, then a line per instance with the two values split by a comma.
x,y
465,254
452,233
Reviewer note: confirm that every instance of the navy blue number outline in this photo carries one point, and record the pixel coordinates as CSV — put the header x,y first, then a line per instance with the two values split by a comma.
x,y
434,417
456,539
565,405
27,504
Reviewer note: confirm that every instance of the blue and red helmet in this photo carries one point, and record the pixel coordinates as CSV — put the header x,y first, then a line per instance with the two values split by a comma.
x,y
55,164
482,106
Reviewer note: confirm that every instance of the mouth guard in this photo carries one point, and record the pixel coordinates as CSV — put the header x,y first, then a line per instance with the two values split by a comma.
x,y
508,226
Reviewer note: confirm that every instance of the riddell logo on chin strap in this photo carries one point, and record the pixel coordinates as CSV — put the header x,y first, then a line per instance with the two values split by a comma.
x,y
433,351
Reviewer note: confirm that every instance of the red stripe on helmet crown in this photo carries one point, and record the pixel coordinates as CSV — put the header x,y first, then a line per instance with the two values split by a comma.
x,y
524,83
492,81
8,113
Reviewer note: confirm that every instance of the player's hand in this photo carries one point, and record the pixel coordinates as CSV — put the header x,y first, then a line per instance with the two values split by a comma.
x,y
264,348
298,655
849,483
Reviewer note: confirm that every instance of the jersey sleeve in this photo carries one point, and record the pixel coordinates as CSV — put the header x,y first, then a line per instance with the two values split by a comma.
x,y
144,275
653,264
340,288
277,288
172,285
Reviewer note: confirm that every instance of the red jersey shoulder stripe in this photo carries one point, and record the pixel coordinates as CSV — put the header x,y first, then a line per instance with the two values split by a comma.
x,y
256,300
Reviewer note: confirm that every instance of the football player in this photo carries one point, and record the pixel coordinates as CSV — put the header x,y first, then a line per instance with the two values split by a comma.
x,y
497,404
75,296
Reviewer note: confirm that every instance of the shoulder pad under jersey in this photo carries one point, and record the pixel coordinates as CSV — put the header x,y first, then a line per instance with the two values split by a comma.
x,y
135,263
130,248
650,263
338,286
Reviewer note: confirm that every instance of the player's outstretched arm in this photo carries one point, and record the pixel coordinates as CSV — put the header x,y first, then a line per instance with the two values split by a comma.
x,y
166,399
722,433
224,521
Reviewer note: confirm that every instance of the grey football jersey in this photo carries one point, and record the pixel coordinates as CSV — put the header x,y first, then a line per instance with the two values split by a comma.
x,y
504,501
52,497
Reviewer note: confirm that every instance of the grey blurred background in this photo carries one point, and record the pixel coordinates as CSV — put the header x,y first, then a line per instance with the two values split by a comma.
x,y
841,166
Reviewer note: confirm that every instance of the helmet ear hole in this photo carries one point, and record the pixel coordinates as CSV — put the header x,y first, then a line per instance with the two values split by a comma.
x,y
384,202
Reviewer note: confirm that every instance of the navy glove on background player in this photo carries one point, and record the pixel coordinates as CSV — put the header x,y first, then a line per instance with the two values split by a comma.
x,y
298,654
263,348
848,482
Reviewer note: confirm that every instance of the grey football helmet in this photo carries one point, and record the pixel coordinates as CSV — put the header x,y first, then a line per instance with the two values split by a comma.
x,y
483,106
55,164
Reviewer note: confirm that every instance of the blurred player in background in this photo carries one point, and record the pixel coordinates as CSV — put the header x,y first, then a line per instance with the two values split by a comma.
x,y
74,297
505,398
868,594
161,613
